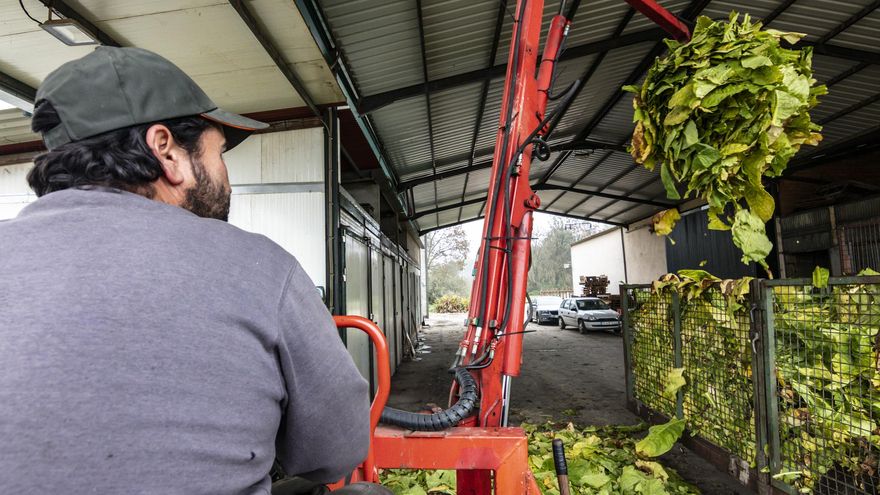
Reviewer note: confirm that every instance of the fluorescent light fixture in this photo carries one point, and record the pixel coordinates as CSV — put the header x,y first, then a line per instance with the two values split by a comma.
x,y
69,32
9,100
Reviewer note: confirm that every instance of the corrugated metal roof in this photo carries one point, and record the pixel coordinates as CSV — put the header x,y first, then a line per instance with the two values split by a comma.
x,y
205,38
380,40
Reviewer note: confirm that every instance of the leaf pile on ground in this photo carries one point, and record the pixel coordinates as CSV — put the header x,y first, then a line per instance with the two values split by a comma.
x,y
719,113
607,460
601,460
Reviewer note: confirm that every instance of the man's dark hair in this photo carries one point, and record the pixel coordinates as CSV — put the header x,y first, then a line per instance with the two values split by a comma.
x,y
119,158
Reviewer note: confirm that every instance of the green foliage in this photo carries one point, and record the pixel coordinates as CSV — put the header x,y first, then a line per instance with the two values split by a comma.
x,y
445,255
551,260
601,460
827,369
446,279
828,380
450,303
719,113
820,277
418,482
660,438
715,380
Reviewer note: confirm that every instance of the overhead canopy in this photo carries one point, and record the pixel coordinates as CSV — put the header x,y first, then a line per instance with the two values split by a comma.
x,y
429,76
424,80
249,56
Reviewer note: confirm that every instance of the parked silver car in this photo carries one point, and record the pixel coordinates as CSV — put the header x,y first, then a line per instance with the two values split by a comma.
x,y
546,309
588,313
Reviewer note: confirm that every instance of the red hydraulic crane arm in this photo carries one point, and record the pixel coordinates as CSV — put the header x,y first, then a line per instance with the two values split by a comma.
x,y
492,346
495,323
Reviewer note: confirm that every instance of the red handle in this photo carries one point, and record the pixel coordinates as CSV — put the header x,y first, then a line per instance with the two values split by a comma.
x,y
383,388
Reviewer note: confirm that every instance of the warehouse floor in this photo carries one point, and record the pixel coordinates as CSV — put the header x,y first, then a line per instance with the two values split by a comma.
x,y
566,376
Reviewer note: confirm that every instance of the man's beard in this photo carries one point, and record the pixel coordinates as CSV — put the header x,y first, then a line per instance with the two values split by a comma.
x,y
207,198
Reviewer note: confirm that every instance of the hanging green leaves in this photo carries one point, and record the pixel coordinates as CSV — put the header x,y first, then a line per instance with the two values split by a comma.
x,y
720,113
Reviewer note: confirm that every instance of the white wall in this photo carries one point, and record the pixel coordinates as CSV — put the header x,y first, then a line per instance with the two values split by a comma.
x,y
15,193
601,254
645,256
278,191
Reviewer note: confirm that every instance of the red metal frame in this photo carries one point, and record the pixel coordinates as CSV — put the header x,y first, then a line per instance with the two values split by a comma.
x,y
481,445
663,18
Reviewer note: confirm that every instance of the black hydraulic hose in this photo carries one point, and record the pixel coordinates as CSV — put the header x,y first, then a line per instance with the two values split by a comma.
x,y
466,404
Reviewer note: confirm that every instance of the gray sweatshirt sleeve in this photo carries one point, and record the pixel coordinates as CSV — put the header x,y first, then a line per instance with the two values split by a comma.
x,y
325,428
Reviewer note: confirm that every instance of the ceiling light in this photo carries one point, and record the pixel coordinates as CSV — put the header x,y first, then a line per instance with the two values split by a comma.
x,y
69,32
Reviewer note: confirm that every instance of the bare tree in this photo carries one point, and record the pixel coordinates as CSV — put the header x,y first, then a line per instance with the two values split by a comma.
x,y
445,253
448,245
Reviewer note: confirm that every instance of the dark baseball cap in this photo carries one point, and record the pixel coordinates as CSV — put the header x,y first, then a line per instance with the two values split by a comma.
x,y
113,88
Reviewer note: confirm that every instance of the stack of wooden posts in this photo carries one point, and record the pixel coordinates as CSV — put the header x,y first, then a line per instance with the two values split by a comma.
x,y
594,285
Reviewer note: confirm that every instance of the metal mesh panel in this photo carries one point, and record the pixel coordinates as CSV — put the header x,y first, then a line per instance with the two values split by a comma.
x,y
825,419
859,246
718,401
651,328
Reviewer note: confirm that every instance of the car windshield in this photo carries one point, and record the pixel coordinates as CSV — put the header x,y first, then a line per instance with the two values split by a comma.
x,y
591,304
548,301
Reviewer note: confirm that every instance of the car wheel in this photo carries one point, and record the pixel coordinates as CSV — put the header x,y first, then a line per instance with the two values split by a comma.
x,y
561,323
582,327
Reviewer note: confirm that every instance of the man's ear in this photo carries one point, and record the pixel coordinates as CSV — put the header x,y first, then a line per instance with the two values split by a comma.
x,y
161,142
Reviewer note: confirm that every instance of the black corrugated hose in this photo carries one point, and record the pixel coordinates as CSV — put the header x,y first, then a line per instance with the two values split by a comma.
x,y
467,402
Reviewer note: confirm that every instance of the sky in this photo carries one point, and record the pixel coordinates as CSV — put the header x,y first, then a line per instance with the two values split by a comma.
x,y
541,223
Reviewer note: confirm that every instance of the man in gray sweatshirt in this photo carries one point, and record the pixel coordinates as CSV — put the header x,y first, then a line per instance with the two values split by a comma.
x,y
146,345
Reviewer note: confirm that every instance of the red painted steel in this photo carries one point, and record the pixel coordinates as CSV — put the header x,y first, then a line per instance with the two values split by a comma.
x,y
367,471
482,451
663,18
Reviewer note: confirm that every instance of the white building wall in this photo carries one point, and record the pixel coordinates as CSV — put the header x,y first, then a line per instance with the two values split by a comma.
x,y
645,256
278,191
15,193
601,254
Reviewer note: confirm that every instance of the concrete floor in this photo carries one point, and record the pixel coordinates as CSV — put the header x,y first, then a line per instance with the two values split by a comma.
x,y
566,376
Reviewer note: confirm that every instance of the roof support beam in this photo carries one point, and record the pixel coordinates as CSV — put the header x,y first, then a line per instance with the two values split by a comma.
x,y
587,172
374,102
850,109
421,19
623,173
777,12
843,26
849,72
453,224
867,140
842,52
445,174
600,194
18,91
453,206
66,11
484,92
275,55
634,190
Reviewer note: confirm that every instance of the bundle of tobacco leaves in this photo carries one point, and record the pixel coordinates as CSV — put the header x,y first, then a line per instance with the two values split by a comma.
x,y
721,112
